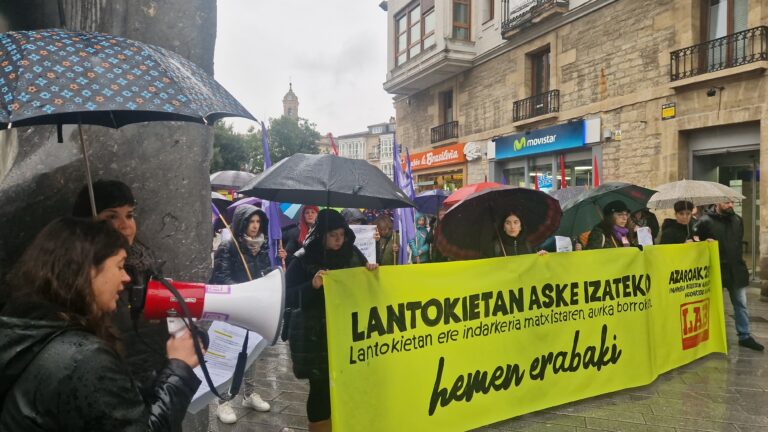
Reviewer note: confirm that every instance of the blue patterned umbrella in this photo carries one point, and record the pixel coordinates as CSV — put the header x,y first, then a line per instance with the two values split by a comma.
x,y
65,77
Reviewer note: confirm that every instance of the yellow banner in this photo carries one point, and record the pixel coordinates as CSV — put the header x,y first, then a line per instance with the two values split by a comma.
x,y
458,345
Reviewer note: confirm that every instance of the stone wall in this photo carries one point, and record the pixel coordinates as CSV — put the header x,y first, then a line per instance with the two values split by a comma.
x,y
165,164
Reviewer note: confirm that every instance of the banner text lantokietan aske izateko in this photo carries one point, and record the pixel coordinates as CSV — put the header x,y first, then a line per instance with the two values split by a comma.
x,y
459,345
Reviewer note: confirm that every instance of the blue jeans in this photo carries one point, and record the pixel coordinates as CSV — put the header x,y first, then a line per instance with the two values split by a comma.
x,y
739,301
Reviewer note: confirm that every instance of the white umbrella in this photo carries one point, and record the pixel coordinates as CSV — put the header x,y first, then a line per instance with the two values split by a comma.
x,y
696,191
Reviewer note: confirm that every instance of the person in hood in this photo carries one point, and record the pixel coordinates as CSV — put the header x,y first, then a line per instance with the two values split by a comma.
x,y
679,229
419,245
616,229
721,223
59,365
510,238
330,245
142,342
242,258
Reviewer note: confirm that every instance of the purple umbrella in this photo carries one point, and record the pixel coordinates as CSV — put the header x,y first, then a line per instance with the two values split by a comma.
x,y
231,209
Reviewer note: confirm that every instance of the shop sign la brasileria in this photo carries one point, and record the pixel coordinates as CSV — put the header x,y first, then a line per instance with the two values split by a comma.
x,y
448,155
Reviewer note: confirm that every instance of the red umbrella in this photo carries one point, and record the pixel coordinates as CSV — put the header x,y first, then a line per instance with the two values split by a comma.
x,y
465,191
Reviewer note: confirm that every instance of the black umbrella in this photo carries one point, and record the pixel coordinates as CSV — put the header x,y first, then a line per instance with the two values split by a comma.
x,y
583,214
470,227
327,180
69,77
231,179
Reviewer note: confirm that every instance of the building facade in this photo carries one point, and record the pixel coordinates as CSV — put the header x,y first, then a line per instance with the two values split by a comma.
x,y
291,104
643,91
373,145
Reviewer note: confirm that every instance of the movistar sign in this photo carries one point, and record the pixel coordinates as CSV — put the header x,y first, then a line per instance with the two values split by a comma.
x,y
551,139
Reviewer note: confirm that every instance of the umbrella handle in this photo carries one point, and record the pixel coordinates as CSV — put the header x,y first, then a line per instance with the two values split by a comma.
x,y
89,180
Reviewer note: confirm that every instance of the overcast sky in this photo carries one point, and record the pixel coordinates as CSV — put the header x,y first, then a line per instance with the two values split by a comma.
x,y
334,51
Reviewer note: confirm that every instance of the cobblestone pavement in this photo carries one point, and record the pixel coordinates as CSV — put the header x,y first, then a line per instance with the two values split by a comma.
x,y
716,393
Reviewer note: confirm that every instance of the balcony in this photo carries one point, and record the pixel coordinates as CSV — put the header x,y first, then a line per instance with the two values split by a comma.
x,y
535,106
530,12
737,49
445,131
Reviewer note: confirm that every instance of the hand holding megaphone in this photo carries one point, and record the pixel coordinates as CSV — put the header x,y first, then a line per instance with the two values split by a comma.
x,y
256,305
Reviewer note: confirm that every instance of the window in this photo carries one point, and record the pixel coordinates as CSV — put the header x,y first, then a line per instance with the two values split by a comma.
x,y
352,149
540,72
415,30
386,168
721,18
446,106
487,10
461,16
386,148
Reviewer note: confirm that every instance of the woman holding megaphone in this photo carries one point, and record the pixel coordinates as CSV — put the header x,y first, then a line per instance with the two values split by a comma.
x,y
59,364
329,246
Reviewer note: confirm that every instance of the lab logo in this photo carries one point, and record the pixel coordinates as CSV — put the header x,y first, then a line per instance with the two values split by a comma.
x,y
694,323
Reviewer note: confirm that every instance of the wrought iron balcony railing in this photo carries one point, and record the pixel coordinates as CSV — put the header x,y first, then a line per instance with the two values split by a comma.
x,y
445,131
529,12
729,51
534,106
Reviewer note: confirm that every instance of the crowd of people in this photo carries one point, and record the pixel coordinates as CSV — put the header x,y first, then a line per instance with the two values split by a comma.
x,y
68,320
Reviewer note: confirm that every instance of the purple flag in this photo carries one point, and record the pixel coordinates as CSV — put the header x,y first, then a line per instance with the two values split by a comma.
x,y
272,209
404,217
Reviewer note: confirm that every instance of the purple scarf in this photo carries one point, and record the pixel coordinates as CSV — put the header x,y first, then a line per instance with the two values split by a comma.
x,y
619,232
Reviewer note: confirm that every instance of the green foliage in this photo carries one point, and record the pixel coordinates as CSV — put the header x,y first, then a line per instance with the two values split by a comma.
x,y
243,152
288,136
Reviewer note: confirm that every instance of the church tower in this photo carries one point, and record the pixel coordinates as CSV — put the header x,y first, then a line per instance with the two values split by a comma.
x,y
291,104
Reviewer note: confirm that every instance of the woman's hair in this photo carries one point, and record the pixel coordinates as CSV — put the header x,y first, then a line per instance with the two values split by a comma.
x,y
383,221
107,194
56,268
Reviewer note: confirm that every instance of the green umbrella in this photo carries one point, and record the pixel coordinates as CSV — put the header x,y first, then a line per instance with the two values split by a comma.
x,y
587,211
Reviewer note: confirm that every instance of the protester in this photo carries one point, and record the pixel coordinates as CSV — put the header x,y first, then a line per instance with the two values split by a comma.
x,y
294,237
436,255
243,258
329,246
59,365
680,229
721,223
143,341
419,245
645,218
509,238
615,230
386,245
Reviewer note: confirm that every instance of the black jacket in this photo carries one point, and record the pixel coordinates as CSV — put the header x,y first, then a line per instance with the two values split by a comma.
x,y
728,230
228,266
58,377
512,246
298,282
673,232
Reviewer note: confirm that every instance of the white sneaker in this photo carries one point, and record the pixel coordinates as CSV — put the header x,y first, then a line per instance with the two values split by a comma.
x,y
225,413
256,402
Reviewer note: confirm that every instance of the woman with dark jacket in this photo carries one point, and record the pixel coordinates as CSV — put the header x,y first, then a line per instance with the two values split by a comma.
x,y
679,229
142,342
59,366
249,243
329,246
510,238
249,246
616,229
